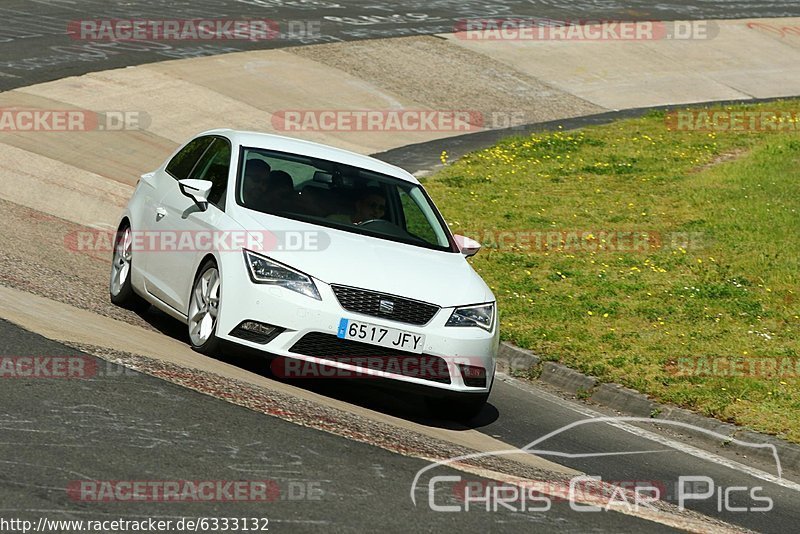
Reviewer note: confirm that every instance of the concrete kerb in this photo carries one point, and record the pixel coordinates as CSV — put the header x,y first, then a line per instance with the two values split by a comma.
x,y
513,359
567,379
624,399
517,361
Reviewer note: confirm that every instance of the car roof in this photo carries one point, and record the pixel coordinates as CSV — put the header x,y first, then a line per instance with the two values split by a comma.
x,y
292,145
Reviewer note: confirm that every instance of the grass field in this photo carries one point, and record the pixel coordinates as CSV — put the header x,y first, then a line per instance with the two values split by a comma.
x,y
665,260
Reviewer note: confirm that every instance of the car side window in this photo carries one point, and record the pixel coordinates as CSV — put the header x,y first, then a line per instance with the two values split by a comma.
x,y
184,161
213,167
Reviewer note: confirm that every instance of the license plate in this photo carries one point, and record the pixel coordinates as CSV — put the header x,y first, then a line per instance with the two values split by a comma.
x,y
392,338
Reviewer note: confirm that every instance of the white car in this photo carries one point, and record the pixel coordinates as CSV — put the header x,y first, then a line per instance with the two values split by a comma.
x,y
337,264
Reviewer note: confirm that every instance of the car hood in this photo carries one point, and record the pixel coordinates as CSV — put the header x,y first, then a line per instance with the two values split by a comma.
x,y
442,278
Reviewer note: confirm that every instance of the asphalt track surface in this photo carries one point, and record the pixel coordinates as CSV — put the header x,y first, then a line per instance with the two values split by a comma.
x,y
129,426
35,45
123,425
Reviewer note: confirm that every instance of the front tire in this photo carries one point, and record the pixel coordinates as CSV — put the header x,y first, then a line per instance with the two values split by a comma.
x,y
119,288
204,309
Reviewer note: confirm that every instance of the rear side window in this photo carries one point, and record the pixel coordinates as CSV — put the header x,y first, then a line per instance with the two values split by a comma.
x,y
184,161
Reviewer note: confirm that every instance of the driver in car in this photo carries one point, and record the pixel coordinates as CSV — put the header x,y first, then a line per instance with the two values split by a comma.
x,y
370,204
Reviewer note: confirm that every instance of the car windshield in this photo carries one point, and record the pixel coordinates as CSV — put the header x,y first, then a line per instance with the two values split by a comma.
x,y
339,196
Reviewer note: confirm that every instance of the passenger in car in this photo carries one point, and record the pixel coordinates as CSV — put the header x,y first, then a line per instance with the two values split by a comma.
x,y
254,188
281,195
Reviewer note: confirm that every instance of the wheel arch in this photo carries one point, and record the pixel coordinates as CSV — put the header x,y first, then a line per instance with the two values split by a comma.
x,y
124,221
205,259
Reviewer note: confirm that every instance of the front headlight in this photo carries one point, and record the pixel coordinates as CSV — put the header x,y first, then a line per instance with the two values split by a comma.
x,y
481,315
266,271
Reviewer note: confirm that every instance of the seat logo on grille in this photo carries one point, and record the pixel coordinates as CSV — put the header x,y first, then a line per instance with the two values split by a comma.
x,y
386,306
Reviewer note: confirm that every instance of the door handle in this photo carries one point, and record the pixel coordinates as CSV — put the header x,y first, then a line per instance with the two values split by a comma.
x,y
160,213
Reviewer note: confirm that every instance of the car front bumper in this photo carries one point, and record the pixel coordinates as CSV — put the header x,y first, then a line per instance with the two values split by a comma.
x,y
447,350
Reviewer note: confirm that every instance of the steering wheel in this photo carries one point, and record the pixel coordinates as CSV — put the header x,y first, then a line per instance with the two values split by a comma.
x,y
370,221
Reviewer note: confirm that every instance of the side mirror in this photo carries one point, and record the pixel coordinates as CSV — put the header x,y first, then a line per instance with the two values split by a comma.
x,y
197,190
467,245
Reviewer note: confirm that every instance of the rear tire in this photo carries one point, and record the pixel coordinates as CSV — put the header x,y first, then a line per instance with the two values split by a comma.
x,y
120,288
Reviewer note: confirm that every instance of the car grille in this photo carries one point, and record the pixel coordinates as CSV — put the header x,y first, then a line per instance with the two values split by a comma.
x,y
386,306
330,347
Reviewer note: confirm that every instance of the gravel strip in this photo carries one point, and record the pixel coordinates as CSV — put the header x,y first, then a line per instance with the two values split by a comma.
x,y
35,257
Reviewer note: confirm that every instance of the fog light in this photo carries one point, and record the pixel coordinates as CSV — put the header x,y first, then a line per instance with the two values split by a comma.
x,y
256,332
258,328
474,377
